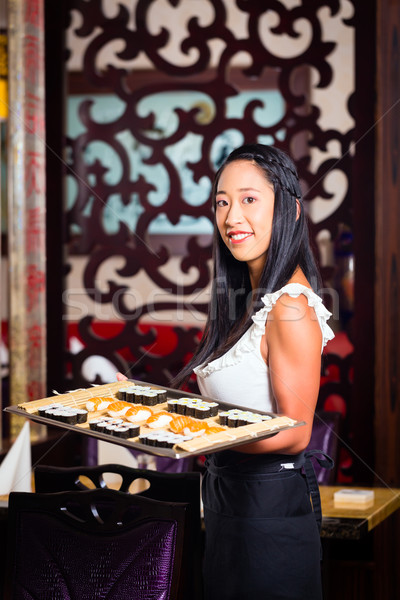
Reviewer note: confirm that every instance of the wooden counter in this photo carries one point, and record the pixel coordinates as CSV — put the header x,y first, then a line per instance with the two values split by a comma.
x,y
341,523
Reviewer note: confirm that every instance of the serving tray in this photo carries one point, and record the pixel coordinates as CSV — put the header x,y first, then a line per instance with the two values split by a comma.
x,y
229,437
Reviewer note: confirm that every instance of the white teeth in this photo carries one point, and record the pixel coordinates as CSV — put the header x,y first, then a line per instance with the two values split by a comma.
x,y
239,236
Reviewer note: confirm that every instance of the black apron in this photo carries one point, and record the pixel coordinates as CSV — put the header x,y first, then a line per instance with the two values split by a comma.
x,y
262,535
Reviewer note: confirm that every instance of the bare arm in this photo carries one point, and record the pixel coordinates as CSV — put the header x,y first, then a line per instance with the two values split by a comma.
x,y
293,338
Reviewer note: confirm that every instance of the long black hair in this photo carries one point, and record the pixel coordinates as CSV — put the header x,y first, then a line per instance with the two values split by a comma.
x,y
233,302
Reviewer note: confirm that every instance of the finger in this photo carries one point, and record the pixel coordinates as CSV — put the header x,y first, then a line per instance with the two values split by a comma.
x,y
121,377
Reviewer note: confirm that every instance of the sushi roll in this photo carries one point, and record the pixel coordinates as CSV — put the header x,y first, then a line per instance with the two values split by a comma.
x,y
42,409
151,439
149,398
121,431
161,395
81,415
49,413
130,395
94,422
70,416
172,405
115,421
181,406
213,408
202,411
58,414
111,429
223,417
121,394
134,430
160,419
101,426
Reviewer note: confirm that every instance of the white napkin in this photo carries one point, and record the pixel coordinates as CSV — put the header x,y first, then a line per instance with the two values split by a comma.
x,y
16,468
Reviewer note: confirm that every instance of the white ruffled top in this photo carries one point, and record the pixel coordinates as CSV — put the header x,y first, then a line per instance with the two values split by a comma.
x,y
240,377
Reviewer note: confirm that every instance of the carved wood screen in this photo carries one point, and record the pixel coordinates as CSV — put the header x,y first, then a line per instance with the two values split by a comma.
x,y
129,270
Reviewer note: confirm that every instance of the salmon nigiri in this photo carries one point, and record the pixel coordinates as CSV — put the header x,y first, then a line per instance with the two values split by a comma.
x,y
138,413
98,403
196,428
160,419
118,408
179,423
214,429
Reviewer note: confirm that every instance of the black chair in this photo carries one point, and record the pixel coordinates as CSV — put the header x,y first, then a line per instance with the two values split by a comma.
x,y
93,544
166,487
325,436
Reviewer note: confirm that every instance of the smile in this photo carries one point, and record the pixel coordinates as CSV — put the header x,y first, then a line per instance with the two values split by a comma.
x,y
235,238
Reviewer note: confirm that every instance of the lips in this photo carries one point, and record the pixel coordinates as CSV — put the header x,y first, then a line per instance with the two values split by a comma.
x,y
236,237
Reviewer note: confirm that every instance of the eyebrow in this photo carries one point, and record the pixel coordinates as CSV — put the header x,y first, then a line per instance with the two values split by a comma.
x,y
247,189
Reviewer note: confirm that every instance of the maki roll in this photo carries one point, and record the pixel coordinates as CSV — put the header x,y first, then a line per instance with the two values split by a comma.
x,y
161,395
223,417
213,408
94,422
182,404
172,405
134,430
121,394
42,409
81,415
202,411
121,431
130,395
149,398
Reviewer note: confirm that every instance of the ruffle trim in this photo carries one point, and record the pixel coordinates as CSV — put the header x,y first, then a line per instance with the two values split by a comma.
x,y
251,338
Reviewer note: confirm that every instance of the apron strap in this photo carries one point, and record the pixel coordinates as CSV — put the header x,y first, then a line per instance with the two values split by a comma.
x,y
312,483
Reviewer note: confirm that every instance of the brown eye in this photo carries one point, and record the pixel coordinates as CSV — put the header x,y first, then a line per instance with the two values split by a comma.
x,y
221,203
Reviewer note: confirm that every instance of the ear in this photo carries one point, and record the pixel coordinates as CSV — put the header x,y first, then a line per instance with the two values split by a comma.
x,y
298,209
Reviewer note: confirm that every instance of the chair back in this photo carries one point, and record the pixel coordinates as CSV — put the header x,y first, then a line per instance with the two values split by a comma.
x,y
166,487
94,544
325,436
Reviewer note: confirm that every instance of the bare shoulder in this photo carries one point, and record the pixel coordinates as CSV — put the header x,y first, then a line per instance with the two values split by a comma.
x,y
292,319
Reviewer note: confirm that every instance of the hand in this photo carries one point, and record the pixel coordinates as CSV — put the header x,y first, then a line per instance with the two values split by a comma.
x,y
121,377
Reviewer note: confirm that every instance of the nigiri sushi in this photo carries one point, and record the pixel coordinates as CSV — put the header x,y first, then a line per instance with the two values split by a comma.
x,y
118,408
195,429
160,419
98,404
214,429
138,413
179,423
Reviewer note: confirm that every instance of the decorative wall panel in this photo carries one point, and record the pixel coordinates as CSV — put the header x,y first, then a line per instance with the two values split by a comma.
x,y
164,91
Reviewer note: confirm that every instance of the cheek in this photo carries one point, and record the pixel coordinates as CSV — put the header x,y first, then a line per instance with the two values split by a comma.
x,y
219,221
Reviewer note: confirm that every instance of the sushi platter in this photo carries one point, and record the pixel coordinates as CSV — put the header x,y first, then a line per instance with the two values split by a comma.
x,y
154,420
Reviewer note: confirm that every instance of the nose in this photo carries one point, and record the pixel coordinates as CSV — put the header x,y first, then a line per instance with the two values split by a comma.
x,y
234,215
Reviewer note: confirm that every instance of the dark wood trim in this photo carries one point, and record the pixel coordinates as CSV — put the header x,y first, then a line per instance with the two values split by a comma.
x,y
55,116
387,389
363,108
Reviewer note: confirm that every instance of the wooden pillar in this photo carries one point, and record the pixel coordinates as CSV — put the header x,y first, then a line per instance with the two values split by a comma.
x,y
26,204
387,248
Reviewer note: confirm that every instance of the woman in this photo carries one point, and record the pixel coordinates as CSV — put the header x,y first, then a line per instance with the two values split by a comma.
x,y
261,349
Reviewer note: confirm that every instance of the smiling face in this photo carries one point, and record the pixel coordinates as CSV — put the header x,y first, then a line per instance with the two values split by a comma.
x,y
244,212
